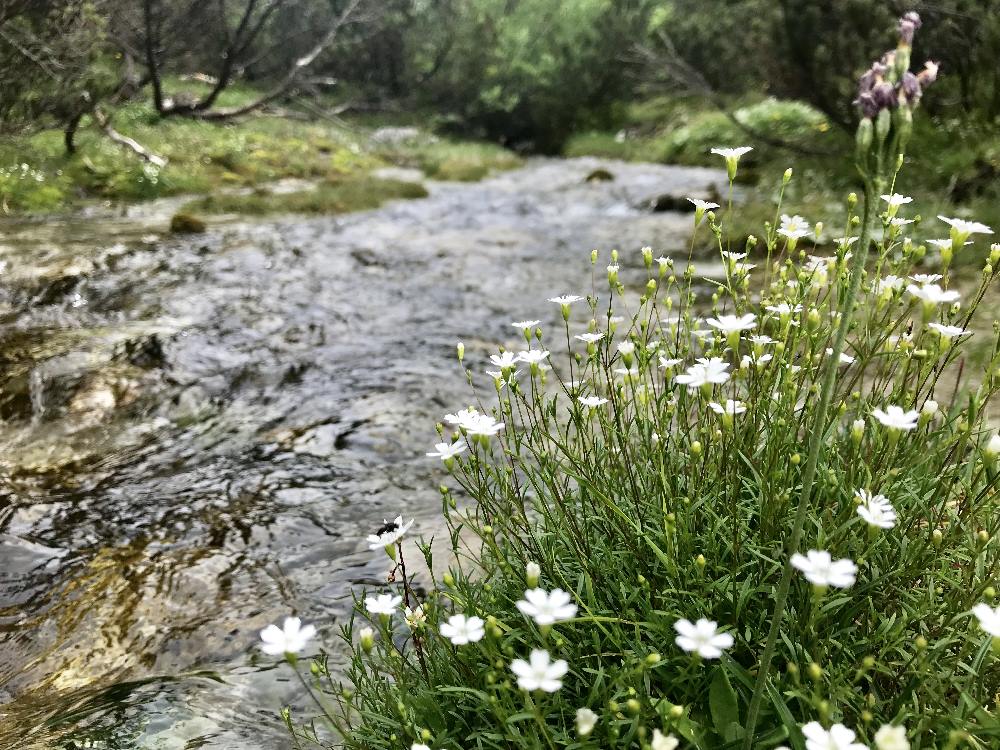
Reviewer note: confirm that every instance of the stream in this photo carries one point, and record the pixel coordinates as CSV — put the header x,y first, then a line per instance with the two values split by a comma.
x,y
198,431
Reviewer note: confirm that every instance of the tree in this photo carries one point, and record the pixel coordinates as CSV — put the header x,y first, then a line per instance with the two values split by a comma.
x,y
233,38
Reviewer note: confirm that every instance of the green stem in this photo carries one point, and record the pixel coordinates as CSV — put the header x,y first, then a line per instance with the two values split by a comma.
x,y
815,445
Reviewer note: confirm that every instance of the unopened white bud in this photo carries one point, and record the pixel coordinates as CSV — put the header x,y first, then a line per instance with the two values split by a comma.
x,y
367,636
531,574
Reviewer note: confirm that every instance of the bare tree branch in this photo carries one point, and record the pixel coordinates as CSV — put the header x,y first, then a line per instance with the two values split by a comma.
x,y
291,78
104,123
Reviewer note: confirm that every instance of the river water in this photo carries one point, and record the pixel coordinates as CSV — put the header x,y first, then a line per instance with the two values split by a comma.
x,y
199,431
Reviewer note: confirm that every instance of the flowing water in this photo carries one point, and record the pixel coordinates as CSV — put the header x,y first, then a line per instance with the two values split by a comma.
x,y
199,431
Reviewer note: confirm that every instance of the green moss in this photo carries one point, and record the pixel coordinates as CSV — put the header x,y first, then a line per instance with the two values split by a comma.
x,y
451,160
331,197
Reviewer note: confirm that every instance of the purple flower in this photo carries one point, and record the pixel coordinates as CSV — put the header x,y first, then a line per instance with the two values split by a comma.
x,y
928,75
909,87
869,108
908,24
885,95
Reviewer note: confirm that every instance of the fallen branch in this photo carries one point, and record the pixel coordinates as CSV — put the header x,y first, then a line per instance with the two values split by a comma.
x,y
104,123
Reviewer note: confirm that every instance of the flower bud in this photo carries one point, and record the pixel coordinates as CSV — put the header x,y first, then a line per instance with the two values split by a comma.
x,y
815,671
367,636
461,351
531,574
787,176
928,410
696,448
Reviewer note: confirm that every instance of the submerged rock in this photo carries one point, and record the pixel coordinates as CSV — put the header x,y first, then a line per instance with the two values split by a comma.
x,y
187,224
599,175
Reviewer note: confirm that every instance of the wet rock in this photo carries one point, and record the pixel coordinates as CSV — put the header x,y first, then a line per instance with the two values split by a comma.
x,y
186,224
94,400
366,257
599,175
679,203
144,351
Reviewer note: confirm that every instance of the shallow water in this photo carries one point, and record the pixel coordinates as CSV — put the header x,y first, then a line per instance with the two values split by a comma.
x,y
198,432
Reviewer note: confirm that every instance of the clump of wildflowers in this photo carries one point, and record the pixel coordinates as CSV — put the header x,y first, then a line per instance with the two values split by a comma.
x,y
789,466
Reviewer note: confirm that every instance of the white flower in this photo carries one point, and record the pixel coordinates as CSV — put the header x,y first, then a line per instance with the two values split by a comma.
x,y
733,258
822,570
626,348
540,672
461,629
783,309
845,242
898,222
989,618
586,720
732,153
592,401
663,741
547,607
291,638
895,418
732,323
761,340
838,737
929,409
704,205
566,299
415,618
794,227
845,359
532,356
702,637
732,408
667,362
390,533
896,199
926,278
664,261
948,332
889,737
524,325
794,234
475,423
889,284
504,360
383,604
932,294
876,510
419,746
590,338
704,372
966,228
444,451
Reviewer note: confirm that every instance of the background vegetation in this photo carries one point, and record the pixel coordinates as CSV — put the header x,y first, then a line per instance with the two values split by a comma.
x,y
659,80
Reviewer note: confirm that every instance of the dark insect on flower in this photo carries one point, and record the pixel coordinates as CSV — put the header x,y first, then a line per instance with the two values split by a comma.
x,y
386,528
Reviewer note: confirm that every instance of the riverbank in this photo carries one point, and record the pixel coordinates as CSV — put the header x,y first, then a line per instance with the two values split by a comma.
x,y
953,166
208,158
